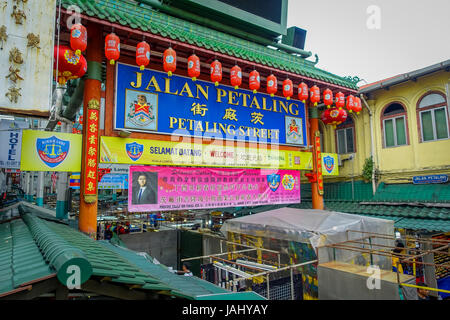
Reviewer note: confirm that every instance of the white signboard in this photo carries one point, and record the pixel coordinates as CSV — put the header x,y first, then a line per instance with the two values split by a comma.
x,y
26,56
11,143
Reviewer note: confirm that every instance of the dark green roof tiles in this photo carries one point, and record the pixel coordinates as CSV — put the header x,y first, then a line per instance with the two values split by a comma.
x,y
144,18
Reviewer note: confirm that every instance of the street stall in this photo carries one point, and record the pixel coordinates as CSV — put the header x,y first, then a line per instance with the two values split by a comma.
x,y
297,234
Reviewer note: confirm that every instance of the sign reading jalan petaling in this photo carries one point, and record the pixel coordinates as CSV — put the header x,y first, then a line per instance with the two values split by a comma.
x,y
151,101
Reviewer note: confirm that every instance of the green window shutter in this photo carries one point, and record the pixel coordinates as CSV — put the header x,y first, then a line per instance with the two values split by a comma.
x,y
341,141
427,126
389,133
400,130
350,146
441,123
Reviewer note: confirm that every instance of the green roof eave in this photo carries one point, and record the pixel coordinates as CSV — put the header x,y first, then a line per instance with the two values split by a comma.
x,y
146,19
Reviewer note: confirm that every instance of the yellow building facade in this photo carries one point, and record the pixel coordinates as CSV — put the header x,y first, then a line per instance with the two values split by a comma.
x,y
404,124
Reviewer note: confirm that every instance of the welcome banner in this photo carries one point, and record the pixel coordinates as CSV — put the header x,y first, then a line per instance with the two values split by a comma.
x,y
154,152
176,188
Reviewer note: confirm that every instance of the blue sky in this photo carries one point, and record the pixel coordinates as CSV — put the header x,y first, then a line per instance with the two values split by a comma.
x,y
412,35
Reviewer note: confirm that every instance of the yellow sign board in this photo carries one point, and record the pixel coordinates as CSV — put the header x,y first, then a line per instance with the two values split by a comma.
x,y
50,151
219,154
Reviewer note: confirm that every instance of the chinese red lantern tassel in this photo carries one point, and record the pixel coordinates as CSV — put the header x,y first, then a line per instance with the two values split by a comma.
x,y
272,85
112,48
254,81
142,54
357,105
170,61
193,67
78,38
236,76
216,72
314,95
350,103
340,100
328,97
303,92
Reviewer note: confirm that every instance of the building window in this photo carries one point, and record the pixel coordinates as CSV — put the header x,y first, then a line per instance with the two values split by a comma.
x,y
394,123
433,117
345,137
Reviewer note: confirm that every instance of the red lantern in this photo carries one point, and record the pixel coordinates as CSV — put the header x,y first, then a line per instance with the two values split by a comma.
x,y
112,48
357,105
254,81
303,92
142,54
78,38
216,72
328,97
314,95
193,67
170,61
70,65
340,100
288,89
236,76
272,85
350,103
333,116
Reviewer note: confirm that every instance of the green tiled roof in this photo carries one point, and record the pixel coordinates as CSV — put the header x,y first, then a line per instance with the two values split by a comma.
x,y
20,258
32,247
143,17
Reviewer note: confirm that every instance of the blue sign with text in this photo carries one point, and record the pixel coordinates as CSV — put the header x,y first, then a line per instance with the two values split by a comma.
x,y
151,101
436,178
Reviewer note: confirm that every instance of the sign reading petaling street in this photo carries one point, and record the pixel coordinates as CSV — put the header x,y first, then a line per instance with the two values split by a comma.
x,y
151,101
174,188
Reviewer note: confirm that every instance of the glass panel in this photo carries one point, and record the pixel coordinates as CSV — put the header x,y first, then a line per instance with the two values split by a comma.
x,y
400,130
441,123
341,141
393,109
427,126
389,133
431,99
350,147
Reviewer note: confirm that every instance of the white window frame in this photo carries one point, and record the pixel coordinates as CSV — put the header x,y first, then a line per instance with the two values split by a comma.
x,y
433,122
395,132
345,140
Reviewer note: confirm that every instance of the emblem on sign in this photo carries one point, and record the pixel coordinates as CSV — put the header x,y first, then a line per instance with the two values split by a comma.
x,y
294,130
288,182
52,151
274,181
134,150
141,112
328,162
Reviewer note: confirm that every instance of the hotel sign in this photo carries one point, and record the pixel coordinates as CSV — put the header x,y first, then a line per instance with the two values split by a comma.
x,y
151,101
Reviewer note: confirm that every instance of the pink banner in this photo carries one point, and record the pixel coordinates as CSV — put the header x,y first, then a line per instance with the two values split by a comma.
x,y
176,188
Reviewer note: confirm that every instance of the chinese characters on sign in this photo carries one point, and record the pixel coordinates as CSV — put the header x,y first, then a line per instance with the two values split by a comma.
x,y
91,154
148,101
318,157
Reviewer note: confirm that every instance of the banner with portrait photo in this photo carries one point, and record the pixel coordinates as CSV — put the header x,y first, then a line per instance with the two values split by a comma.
x,y
177,188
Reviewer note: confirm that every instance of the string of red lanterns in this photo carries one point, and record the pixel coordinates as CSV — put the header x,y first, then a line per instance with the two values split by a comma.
x,y
332,115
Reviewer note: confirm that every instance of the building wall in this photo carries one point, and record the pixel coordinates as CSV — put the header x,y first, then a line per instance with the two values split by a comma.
x,y
395,164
